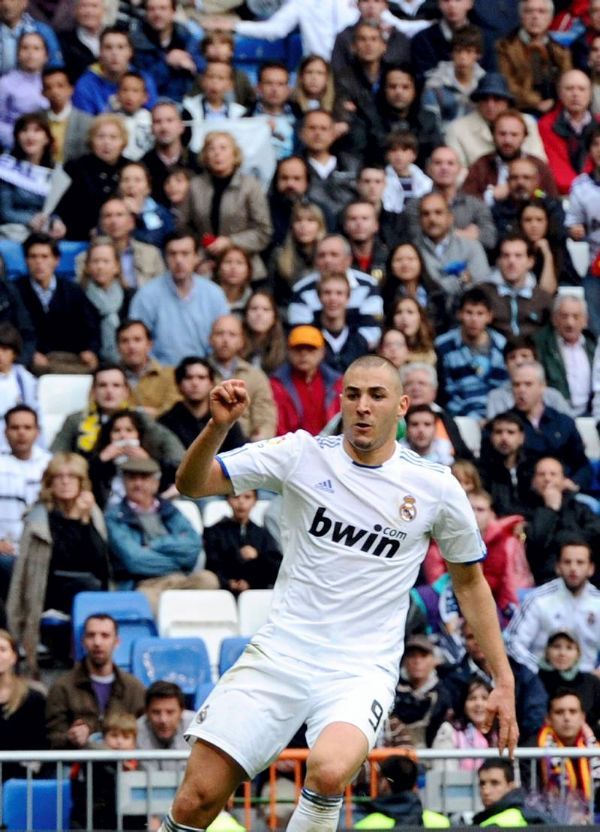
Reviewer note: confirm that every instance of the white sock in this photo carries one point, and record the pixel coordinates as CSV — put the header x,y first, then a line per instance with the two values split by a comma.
x,y
315,813
169,825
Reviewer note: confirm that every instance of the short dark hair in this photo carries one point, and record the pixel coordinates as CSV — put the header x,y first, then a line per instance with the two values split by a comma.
x,y
115,30
181,369
20,408
39,239
131,73
164,690
272,65
400,771
10,338
419,408
515,237
561,692
509,417
572,538
502,763
468,37
100,616
366,24
182,234
104,367
47,71
594,132
370,166
476,297
309,113
401,140
520,342
128,323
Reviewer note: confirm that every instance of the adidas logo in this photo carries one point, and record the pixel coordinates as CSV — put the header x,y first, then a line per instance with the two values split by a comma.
x,y
326,485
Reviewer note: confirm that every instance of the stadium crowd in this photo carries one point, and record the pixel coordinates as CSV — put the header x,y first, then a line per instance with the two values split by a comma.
x,y
423,182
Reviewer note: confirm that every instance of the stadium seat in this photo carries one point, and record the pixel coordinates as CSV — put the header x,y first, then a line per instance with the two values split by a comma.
x,y
15,265
257,515
470,432
580,255
210,614
253,608
50,426
191,512
183,661
44,812
202,691
231,649
62,394
586,425
452,791
68,254
215,510
130,609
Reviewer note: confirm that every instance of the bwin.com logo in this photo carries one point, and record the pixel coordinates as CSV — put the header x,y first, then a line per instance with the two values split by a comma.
x,y
381,542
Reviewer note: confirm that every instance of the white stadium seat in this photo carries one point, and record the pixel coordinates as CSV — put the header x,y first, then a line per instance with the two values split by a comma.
x,y
470,432
191,512
62,394
50,424
580,255
586,425
253,607
216,510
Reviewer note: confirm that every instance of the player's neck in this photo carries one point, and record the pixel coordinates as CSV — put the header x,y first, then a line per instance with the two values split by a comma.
x,y
375,457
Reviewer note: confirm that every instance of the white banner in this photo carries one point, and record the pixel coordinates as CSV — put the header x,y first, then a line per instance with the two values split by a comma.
x,y
33,178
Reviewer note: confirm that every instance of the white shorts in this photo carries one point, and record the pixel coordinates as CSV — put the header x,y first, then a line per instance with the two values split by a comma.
x,y
260,703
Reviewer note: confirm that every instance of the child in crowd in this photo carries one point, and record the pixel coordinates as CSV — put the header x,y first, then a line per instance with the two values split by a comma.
x,y
274,105
17,385
343,343
404,180
152,220
393,346
314,85
129,101
421,436
219,46
63,118
21,88
214,102
177,187
467,475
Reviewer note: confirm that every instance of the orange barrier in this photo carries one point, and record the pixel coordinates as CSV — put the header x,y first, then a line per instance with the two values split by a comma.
x,y
298,756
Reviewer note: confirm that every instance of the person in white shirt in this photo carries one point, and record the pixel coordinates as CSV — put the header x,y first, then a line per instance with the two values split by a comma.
x,y
421,428
17,385
357,516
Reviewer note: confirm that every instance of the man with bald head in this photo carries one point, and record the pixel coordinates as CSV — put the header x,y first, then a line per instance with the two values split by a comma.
x,y
565,131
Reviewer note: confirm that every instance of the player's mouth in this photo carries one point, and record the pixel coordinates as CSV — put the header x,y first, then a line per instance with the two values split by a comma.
x,y
362,425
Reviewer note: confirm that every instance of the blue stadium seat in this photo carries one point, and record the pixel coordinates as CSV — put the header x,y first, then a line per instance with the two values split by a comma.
x,y
183,661
202,691
231,649
68,253
132,611
15,266
44,796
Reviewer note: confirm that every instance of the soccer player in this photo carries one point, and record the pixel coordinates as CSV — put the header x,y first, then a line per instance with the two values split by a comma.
x,y
358,513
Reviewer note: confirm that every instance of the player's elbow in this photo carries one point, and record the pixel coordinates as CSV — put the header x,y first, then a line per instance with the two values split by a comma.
x,y
189,487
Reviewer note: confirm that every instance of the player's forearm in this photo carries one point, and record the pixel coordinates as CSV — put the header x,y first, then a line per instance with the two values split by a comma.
x,y
195,472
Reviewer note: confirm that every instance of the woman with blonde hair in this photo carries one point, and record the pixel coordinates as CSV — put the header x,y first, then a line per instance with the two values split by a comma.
x,y
295,258
103,283
225,207
94,176
314,88
22,710
62,552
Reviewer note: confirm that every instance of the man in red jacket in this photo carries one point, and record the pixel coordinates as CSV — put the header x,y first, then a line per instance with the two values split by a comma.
x,y
306,390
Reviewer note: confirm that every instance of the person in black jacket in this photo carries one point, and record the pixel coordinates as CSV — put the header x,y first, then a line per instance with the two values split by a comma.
x,y
505,467
241,554
504,803
13,311
66,324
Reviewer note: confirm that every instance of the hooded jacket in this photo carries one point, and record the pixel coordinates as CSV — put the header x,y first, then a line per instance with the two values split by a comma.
x,y
510,811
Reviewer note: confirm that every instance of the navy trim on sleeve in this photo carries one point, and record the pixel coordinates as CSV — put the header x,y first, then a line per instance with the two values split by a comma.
x,y
223,468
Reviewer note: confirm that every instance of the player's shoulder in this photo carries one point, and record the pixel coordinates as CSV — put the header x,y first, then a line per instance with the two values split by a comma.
x,y
421,466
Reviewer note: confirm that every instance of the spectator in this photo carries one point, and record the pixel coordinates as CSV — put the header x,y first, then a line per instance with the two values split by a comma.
x,y
129,102
397,45
32,55
409,318
370,185
17,385
295,258
504,465
451,260
488,176
552,261
66,323
361,77
163,49
264,340
140,262
177,188
369,254
434,44
68,125
421,701
153,545
14,22
472,218
343,344
393,346
241,554
519,306
187,418
21,468
559,668
566,352
80,699
306,390
475,346
152,385
81,44
219,46
110,393
227,204
22,720
169,150
290,185
213,102
569,600
523,185
580,48
227,341
468,729
94,176
13,311
275,107
404,180
233,273
331,177
502,800
566,129
62,552
180,306
531,61
407,277
471,136
101,80
421,435
556,511
314,88
365,309
548,432
163,724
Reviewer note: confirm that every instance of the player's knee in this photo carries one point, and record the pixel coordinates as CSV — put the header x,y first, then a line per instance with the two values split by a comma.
x,y
193,800
326,776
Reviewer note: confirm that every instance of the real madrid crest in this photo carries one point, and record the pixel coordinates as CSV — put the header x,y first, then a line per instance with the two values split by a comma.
x,y
408,508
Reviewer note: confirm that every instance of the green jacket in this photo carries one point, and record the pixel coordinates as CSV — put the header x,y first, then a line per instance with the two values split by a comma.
x,y
377,820
550,357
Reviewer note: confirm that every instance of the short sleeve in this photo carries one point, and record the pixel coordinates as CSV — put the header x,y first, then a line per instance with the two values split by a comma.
x,y
266,464
455,527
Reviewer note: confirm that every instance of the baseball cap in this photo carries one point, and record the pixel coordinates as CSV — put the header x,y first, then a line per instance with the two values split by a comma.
x,y
305,336
563,632
419,642
140,466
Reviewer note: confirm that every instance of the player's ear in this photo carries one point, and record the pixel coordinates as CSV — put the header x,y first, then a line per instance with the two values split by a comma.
x,y
402,406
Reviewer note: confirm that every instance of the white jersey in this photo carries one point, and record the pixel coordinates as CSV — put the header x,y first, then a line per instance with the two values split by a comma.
x,y
353,538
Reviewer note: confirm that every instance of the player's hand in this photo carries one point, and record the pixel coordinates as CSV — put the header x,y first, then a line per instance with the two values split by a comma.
x,y
228,401
501,706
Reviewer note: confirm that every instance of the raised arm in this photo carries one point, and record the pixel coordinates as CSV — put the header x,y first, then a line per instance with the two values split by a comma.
x,y
478,607
199,474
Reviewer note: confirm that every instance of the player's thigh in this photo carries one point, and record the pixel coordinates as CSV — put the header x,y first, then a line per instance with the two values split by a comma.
x,y
211,776
336,756
254,710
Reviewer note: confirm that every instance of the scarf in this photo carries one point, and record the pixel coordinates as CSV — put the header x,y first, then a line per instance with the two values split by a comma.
x,y
89,428
108,302
576,773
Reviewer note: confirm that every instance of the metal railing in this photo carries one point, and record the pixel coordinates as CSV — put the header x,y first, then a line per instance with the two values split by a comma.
x,y
152,793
